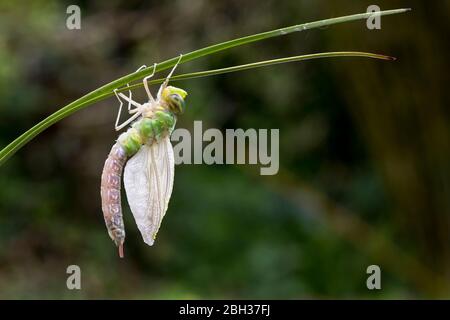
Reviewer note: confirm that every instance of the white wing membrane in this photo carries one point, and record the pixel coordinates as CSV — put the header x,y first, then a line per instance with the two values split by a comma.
x,y
148,180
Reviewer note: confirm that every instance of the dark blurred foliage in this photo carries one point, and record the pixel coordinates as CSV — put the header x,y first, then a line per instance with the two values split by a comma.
x,y
364,153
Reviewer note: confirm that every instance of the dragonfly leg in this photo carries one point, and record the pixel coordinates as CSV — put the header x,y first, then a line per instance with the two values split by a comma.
x,y
129,99
130,102
149,94
141,67
166,82
131,119
130,94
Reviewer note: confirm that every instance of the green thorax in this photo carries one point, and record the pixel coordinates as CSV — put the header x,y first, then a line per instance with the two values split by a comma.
x,y
147,130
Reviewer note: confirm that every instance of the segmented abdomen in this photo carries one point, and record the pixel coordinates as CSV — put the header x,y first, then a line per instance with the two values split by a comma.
x,y
110,194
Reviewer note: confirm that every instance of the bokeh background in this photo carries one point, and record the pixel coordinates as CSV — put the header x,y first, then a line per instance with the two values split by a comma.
x,y
364,153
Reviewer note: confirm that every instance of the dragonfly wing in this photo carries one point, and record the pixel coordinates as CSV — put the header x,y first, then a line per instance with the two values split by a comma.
x,y
148,180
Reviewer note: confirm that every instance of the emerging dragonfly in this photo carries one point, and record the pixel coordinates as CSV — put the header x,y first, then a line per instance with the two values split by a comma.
x,y
147,154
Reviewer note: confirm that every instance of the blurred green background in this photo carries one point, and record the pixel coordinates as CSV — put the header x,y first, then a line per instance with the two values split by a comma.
x,y
364,153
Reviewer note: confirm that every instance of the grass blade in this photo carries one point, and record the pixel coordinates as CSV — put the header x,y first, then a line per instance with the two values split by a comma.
x,y
254,65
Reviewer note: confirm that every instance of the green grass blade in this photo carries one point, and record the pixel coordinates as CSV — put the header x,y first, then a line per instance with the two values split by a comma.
x,y
107,89
265,63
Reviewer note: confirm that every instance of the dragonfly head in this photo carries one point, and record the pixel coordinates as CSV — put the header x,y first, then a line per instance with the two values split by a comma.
x,y
174,97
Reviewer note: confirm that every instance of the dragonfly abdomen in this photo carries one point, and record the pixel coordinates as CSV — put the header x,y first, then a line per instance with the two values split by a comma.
x,y
110,194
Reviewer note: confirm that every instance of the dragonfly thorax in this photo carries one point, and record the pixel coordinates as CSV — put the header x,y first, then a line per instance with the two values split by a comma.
x,y
147,109
156,123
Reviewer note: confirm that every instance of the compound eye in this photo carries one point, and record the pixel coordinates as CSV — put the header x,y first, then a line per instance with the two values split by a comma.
x,y
177,103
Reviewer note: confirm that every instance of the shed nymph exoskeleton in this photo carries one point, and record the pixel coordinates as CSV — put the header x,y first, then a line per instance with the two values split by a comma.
x,y
147,154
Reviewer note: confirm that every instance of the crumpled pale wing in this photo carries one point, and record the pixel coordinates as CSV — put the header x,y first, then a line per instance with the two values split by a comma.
x,y
148,180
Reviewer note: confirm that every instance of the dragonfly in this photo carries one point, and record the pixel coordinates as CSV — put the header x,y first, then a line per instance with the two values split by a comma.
x,y
144,154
